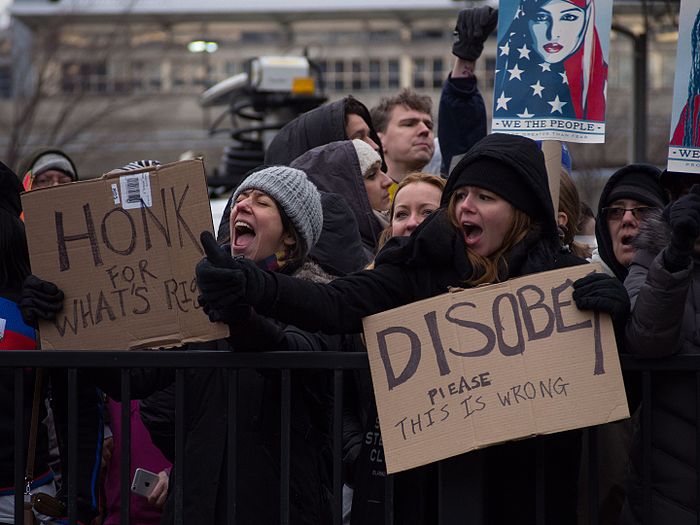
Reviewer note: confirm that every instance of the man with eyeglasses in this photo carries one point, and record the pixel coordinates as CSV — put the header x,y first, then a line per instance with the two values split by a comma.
x,y
628,198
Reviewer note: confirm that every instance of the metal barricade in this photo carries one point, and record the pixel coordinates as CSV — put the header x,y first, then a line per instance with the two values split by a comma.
x,y
460,490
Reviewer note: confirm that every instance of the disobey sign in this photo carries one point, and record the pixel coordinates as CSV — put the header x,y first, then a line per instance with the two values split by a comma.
x,y
123,249
472,368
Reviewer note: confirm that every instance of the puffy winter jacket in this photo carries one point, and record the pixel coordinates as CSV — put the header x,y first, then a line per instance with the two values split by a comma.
x,y
664,322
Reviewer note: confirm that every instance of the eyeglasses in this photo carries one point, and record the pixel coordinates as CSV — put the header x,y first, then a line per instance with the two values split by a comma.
x,y
616,214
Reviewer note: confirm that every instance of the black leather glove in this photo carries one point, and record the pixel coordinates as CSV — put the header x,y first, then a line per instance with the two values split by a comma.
x,y
599,291
228,285
684,217
474,25
40,300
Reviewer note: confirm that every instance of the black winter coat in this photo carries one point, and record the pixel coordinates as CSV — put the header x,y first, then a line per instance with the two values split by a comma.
x,y
427,264
460,103
258,437
663,323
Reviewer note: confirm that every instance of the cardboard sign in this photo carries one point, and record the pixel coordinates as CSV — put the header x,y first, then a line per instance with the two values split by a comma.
x,y
123,249
551,69
684,143
473,368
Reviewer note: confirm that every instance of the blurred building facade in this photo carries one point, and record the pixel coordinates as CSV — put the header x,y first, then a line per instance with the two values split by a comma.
x,y
117,81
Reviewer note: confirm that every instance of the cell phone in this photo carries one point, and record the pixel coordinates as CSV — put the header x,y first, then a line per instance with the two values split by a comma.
x,y
144,482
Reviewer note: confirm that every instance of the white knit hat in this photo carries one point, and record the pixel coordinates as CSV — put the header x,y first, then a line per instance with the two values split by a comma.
x,y
294,193
366,155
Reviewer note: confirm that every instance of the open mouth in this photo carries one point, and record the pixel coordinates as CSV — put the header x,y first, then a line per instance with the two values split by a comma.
x,y
627,240
244,234
472,233
553,47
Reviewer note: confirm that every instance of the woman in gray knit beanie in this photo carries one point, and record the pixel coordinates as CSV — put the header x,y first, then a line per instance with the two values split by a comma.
x,y
276,217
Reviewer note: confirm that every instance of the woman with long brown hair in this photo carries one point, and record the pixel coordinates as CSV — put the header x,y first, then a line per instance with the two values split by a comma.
x,y
496,222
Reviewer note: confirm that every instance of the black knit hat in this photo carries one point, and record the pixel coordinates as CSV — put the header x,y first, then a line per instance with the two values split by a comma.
x,y
502,179
519,175
639,182
10,188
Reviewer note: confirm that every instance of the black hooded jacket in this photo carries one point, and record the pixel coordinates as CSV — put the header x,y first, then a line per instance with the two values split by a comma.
x,y
423,265
10,189
335,168
339,249
314,128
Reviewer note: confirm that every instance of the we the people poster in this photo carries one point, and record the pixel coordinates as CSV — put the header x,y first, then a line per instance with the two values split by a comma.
x,y
552,69
684,144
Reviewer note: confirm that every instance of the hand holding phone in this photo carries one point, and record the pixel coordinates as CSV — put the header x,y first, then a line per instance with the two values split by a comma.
x,y
144,482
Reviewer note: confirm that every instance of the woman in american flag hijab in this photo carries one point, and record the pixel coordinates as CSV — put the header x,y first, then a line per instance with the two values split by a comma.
x,y
687,132
553,63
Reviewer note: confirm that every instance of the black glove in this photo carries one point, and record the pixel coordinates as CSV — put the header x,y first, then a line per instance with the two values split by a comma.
x,y
684,217
228,285
474,25
40,300
599,291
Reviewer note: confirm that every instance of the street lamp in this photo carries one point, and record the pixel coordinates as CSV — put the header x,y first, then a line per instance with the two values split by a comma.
x,y
202,46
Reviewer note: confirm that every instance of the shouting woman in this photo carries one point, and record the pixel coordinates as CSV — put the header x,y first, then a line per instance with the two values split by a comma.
x,y
496,222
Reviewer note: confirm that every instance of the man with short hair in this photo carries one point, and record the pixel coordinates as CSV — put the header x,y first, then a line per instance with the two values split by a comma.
x,y
404,123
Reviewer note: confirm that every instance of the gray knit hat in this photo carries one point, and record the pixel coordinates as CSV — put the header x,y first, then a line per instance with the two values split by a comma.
x,y
294,193
53,161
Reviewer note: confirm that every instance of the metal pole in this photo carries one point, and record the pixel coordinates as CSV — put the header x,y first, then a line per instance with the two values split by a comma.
x,y
638,124
639,114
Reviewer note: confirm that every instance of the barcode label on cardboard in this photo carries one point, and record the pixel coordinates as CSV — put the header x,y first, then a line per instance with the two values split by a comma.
x,y
136,191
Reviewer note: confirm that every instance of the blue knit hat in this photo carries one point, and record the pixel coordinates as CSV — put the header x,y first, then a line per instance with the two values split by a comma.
x,y
294,193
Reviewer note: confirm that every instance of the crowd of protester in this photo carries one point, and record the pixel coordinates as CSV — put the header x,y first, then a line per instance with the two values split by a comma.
x,y
344,221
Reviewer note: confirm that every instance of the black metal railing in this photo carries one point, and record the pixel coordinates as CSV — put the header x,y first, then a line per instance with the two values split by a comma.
x,y
459,494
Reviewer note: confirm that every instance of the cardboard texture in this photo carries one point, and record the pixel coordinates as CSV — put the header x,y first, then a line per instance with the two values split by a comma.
x,y
123,248
469,369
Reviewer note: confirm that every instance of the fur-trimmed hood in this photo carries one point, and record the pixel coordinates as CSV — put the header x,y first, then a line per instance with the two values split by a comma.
x,y
310,271
654,233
